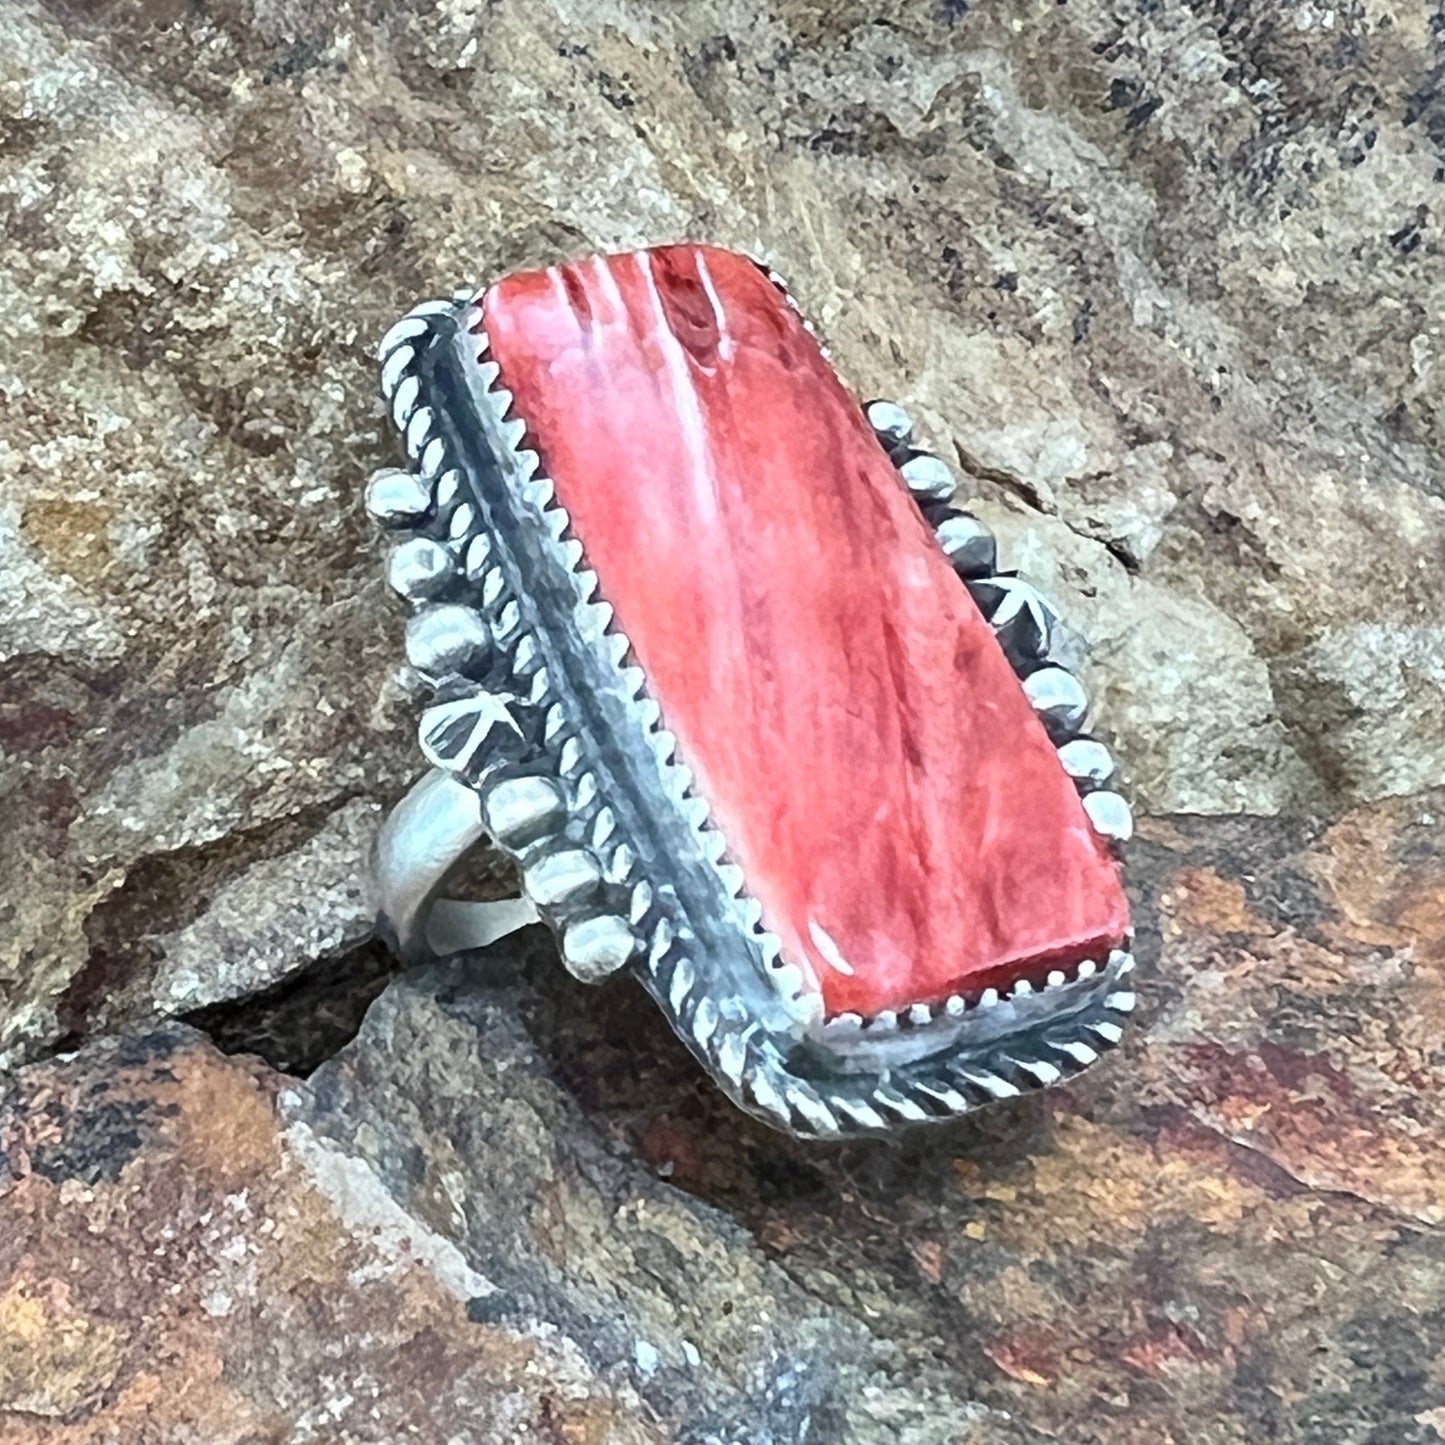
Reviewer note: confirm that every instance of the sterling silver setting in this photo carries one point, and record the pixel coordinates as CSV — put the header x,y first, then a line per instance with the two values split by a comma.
x,y
542,735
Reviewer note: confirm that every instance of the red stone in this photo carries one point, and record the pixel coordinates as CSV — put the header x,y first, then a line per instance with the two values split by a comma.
x,y
875,767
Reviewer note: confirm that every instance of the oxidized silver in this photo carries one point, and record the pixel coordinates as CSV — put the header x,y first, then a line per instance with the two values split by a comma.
x,y
542,736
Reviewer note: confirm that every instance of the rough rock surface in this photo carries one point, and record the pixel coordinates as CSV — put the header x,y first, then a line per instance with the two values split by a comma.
x,y
1165,277
1168,280
510,1210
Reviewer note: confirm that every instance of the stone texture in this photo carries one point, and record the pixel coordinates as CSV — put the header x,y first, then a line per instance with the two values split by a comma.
x,y
178,1264
512,1205
1165,279
862,741
1160,279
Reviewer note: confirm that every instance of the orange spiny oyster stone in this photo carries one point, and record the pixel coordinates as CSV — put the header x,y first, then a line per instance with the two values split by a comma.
x,y
898,810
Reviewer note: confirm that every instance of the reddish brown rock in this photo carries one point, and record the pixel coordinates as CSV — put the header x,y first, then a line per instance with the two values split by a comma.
x,y
178,1265
511,1199
870,756
196,1249
1163,288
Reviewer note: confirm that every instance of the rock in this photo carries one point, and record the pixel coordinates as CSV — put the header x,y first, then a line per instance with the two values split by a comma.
x,y
1165,661
174,1266
313,902
1370,700
514,1204
193,1247
1162,285
1164,282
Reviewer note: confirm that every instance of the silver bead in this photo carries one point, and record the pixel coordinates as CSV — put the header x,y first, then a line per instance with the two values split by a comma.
x,y
860,1111
1087,762
395,368
807,1106
704,1020
395,498
478,556
445,639
433,457
420,426
526,659
967,543
891,424
905,1107
1040,1070
517,810
1059,699
409,328
404,400
929,478
562,879
641,901
991,1084
621,864
679,987
952,1101
419,568
1110,815
449,490
462,522
593,948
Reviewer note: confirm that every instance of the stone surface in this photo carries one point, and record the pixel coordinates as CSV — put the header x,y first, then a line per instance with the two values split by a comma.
x,y
514,1205
1160,281
1165,280
863,744
179,1264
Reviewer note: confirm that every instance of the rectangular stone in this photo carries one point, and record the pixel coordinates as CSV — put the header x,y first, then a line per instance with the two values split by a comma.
x,y
865,746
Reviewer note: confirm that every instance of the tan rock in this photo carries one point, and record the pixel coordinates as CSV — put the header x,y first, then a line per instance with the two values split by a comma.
x,y
1166,287
1166,279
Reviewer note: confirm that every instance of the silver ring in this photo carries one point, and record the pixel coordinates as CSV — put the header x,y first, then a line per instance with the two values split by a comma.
x,y
424,837
836,810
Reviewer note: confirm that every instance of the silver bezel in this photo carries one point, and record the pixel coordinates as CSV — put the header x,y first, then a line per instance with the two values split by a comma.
x,y
517,639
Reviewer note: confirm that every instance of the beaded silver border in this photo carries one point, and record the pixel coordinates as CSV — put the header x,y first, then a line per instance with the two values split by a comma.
x,y
504,604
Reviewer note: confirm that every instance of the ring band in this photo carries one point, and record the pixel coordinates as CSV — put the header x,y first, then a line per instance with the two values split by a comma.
x,y
424,837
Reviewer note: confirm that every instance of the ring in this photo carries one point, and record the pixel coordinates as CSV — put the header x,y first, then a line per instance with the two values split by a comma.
x,y
714,657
